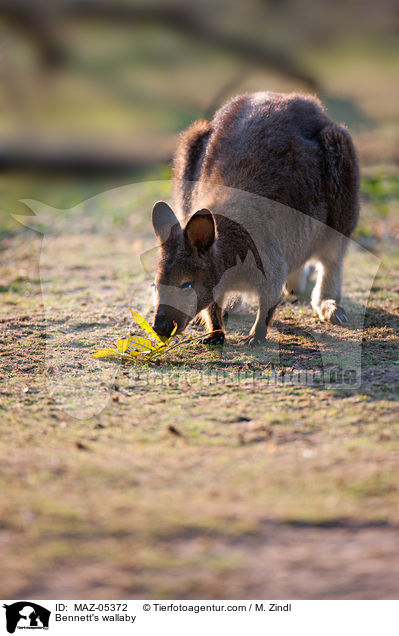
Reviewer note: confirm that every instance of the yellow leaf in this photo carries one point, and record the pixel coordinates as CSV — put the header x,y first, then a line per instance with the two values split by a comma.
x,y
165,340
122,345
156,351
144,325
102,353
141,342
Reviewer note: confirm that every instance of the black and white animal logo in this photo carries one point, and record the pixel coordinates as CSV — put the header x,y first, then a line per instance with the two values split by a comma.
x,y
26,615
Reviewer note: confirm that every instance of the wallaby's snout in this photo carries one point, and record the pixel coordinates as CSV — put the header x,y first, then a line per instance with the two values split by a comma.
x,y
166,318
162,325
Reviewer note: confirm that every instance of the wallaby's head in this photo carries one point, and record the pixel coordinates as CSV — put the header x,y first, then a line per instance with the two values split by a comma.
x,y
186,273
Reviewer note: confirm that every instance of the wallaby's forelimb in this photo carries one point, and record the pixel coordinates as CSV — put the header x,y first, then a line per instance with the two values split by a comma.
x,y
263,319
213,316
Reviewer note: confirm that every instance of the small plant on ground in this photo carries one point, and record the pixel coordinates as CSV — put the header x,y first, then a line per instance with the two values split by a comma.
x,y
137,347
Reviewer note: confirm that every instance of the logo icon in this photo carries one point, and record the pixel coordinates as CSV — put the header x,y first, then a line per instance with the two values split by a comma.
x,y
26,615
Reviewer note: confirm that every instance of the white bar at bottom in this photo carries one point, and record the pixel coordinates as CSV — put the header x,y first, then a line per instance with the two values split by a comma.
x,y
179,617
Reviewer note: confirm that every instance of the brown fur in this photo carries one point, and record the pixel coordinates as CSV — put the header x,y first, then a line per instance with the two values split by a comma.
x,y
286,151
188,158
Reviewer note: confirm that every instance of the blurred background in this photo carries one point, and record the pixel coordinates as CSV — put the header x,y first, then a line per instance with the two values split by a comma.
x,y
93,94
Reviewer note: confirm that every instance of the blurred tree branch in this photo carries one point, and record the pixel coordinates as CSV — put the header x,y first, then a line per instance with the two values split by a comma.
x,y
39,21
38,25
76,162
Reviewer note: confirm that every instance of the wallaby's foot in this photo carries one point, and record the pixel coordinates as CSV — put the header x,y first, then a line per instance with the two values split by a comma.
x,y
252,341
329,310
214,339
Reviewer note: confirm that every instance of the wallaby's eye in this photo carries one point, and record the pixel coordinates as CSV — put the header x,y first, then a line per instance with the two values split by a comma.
x,y
187,286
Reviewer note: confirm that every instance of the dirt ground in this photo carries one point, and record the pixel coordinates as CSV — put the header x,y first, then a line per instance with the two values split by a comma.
x,y
212,474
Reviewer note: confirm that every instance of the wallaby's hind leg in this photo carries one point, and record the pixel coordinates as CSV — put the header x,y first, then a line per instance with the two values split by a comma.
x,y
326,296
297,281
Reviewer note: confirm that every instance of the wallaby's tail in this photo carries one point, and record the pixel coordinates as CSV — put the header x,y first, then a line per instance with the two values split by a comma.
x,y
341,177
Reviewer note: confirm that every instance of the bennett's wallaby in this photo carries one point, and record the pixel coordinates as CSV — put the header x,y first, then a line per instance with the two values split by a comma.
x,y
268,184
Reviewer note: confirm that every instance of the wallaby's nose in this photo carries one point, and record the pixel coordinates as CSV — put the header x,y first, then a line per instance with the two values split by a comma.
x,y
162,326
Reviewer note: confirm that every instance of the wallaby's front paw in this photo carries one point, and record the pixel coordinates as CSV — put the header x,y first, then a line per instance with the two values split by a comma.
x,y
252,341
215,339
329,310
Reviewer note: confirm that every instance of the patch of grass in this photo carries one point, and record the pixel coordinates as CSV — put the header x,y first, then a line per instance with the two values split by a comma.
x,y
382,189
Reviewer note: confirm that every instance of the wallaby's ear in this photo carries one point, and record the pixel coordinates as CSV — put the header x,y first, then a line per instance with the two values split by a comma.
x,y
163,219
200,230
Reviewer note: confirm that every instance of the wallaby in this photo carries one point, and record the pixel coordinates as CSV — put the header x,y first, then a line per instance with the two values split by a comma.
x,y
268,184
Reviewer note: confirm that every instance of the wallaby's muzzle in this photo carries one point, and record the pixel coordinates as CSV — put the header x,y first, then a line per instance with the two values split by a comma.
x,y
165,319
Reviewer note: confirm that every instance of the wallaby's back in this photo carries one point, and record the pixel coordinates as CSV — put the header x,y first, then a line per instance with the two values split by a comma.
x,y
283,147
